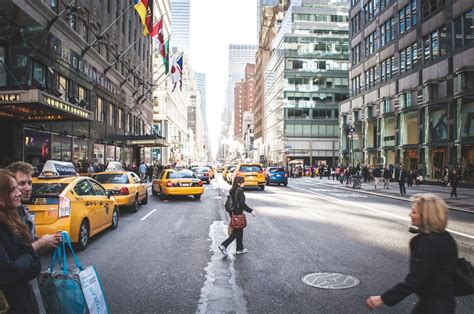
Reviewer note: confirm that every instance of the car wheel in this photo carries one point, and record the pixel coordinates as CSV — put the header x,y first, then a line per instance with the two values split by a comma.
x,y
162,195
197,197
145,200
84,231
135,205
115,218
285,184
262,187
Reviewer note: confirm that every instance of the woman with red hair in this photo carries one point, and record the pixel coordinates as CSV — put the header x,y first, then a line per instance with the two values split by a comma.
x,y
18,261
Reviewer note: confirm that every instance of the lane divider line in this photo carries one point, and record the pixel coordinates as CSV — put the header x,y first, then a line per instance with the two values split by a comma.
x,y
148,215
375,210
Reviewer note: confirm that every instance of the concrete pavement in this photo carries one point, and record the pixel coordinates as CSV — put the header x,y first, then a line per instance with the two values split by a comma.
x,y
464,202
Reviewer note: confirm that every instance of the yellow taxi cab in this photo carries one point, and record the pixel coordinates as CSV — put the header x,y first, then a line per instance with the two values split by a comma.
x,y
127,188
172,182
252,173
63,201
211,171
225,170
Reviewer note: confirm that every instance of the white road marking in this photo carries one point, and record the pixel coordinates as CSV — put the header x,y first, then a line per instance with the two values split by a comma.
x,y
148,215
375,210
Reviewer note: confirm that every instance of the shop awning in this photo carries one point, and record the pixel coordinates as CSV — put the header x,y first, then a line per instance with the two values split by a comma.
x,y
149,140
35,105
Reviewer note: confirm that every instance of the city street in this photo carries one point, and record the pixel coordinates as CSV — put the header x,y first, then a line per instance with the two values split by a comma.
x,y
164,258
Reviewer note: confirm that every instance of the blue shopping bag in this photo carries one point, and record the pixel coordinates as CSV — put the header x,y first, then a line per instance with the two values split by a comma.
x,y
61,289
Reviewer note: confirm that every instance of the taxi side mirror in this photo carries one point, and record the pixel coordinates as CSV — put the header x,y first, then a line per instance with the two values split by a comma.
x,y
109,193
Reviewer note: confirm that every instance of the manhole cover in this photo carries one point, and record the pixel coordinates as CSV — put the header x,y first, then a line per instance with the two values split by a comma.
x,y
330,280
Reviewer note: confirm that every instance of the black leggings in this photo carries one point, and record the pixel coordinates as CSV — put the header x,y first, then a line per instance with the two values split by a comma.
x,y
453,191
236,234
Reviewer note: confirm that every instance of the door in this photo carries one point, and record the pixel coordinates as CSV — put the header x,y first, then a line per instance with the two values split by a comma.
x,y
439,163
84,205
104,206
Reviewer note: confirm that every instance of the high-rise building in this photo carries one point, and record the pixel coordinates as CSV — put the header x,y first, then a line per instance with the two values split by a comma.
x,y
243,99
239,56
411,87
201,84
180,24
67,96
261,4
305,78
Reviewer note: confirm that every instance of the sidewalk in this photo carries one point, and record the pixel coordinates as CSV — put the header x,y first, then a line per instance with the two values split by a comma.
x,y
464,203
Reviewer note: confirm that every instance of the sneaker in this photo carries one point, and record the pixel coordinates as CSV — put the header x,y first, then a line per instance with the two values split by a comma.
x,y
242,252
223,249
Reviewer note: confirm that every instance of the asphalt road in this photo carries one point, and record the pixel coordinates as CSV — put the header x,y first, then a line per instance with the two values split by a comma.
x,y
164,258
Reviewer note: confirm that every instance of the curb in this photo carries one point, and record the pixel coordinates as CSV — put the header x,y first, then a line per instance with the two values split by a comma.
x,y
391,196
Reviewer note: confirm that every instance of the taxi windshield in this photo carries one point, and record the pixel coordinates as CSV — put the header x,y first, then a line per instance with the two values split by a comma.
x,y
47,189
120,178
184,174
250,168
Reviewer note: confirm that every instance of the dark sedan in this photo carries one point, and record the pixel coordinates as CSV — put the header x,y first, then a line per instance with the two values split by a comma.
x,y
203,173
274,175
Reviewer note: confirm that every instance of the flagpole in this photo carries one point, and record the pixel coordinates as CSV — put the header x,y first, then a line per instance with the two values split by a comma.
x,y
84,51
120,56
133,72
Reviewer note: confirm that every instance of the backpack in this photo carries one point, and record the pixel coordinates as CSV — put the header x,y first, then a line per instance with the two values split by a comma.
x,y
463,278
229,203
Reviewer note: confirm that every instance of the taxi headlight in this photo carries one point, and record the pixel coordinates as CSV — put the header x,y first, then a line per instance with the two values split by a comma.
x,y
64,207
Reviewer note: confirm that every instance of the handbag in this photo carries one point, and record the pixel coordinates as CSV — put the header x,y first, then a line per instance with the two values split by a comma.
x,y
238,221
4,306
64,291
463,278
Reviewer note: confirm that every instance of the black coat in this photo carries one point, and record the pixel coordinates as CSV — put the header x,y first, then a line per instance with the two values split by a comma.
x,y
18,264
432,260
454,180
239,201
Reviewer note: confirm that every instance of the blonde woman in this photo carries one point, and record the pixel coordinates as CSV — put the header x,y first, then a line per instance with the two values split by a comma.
x,y
433,254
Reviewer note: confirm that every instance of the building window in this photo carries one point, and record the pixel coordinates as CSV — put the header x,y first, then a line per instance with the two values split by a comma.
x,y
387,32
355,24
82,94
38,76
469,27
120,119
429,7
111,115
458,33
407,17
63,86
371,43
99,110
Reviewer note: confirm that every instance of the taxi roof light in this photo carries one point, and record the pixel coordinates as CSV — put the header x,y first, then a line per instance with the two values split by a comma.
x,y
55,169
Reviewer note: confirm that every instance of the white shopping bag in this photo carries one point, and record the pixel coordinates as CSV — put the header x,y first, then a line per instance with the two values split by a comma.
x,y
93,291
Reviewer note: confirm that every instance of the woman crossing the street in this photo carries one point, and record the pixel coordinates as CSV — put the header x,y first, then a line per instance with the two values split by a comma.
x,y
239,205
433,255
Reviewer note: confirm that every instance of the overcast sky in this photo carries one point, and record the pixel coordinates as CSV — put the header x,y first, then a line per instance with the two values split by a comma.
x,y
214,25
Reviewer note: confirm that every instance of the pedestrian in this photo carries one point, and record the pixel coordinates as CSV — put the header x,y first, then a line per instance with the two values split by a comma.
x,y
377,174
453,182
143,171
22,173
387,175
239,205
19,263
365,173
433,255
409,178
402,175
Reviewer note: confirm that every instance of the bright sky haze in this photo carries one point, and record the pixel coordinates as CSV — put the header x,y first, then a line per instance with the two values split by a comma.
x,y
214,25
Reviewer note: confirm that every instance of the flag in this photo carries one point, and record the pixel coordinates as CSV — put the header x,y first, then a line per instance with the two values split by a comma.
x,y
165,55
177,73
144,9
158,30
